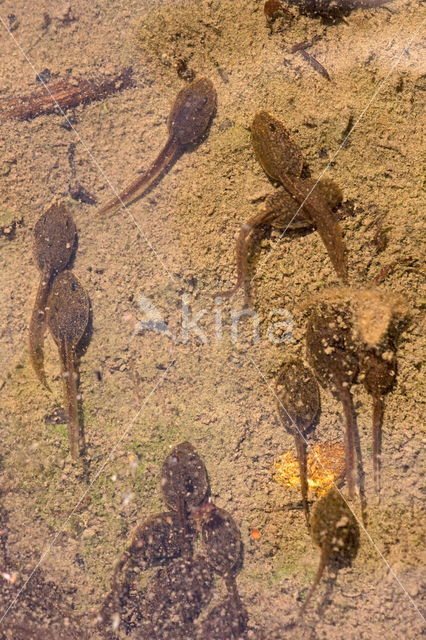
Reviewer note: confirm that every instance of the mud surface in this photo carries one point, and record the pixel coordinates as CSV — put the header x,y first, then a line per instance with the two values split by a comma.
x,y
145,389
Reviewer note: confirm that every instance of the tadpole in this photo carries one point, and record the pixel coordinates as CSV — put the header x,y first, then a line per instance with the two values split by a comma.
x,y
184,480
331,11
54,242
224,548
180,590
379,368
228,619
189,120
335,530
68,317
154,542
298,404
333,355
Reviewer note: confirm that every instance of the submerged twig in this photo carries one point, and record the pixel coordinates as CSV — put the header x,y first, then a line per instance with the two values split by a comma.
x,y
301,47
64,94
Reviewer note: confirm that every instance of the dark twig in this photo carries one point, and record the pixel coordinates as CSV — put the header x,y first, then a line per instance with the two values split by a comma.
x,y
301,47
65,93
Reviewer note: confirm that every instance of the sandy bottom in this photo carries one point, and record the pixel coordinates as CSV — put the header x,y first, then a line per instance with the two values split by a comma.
x,y
144,391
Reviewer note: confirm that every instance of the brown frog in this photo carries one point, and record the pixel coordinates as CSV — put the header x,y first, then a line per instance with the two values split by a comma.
x,y
335,530
54,243
298,403
333,354
282,161
189,120
67,318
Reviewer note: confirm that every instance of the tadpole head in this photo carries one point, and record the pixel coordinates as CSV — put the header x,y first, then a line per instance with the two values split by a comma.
x,y
379,371
335,528
273,147
332,350
68,309
298,396
184,478
193,111
177,594
54,239
156,540
222,541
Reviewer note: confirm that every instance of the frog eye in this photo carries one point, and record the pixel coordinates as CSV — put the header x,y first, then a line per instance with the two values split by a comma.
x,y
272,127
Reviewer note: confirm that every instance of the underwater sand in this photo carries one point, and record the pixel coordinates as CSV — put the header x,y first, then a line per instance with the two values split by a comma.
x,y
144,392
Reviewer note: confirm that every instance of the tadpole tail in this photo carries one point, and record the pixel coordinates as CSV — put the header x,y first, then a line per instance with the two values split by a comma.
x,y
303,469
37,329
351,428
378,412
241,256
138,187
231,587
119,585
317,579
242,265
326,225
69,376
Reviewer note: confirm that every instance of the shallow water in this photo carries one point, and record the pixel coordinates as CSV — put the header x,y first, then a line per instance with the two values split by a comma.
x,y
167,362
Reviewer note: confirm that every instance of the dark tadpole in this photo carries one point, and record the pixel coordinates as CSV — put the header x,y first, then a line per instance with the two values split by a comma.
x,y
55,237
155,541
379,368
332,11
184,481
224,548
333,354
228,619
188,122
335,530
180,590
298,404
68,318
224,552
